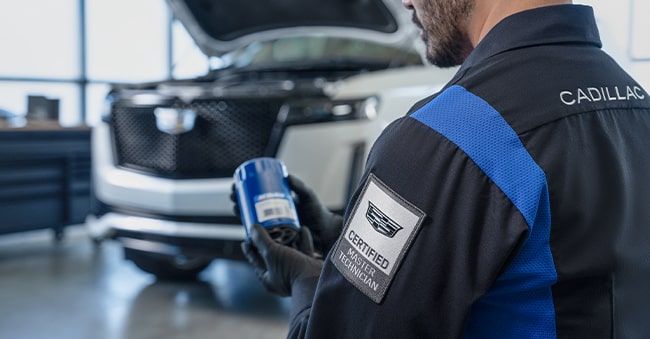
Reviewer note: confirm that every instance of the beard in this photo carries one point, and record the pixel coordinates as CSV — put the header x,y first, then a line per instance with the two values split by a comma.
x,y
442,22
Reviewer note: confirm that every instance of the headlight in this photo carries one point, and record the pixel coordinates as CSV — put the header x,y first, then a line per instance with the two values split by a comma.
x,y
107,107
311,111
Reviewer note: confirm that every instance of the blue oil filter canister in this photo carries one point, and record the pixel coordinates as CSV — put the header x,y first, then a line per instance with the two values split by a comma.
x,y
264,198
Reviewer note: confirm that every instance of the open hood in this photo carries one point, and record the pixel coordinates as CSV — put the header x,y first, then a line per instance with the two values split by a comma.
x,y
221,26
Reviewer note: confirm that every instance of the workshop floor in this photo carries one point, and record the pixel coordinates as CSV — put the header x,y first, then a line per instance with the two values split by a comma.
x,y
76,290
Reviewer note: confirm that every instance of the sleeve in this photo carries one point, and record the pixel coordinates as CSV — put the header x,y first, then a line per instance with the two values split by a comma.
x,y
479,259
510,255
301,299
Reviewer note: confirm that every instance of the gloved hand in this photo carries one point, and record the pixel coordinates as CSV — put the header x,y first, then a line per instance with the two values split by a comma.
x,y
233,198
278,266
325,225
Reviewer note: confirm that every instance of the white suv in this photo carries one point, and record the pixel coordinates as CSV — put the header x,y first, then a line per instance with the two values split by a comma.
x,y
311,83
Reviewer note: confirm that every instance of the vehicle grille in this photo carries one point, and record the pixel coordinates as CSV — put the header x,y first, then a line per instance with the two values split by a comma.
x,y
225,134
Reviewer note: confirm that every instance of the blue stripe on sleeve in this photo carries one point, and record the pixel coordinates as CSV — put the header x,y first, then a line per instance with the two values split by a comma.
x,y
520,304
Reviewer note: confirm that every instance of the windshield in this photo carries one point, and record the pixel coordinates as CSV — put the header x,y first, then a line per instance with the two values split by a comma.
x,y
319,49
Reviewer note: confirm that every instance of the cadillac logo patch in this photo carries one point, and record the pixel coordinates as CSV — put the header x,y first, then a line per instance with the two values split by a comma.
x,y
375,239
381,222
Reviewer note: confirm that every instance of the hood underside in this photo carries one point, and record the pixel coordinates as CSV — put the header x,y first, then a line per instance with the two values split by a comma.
x,y
221,26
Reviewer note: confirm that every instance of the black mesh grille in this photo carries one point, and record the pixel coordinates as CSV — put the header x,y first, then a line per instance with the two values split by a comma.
x,y
225,134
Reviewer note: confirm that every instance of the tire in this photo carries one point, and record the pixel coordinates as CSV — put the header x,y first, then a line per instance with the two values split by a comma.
x,y
168,268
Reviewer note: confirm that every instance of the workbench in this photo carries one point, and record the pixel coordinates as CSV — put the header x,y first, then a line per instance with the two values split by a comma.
x,y
44,177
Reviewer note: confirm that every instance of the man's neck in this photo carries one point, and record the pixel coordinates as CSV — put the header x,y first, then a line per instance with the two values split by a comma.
x,y
488,13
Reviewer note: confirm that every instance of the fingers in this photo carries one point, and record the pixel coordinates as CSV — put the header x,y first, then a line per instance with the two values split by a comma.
x,y
233,193
261,239
233,198
259,265
298,186
306,243
252,256
266,257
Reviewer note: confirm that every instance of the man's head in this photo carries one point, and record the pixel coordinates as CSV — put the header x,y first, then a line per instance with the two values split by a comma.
x,y
452,28
443,25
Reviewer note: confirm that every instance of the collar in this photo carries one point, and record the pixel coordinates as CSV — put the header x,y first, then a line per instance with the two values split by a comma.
x,y
558,24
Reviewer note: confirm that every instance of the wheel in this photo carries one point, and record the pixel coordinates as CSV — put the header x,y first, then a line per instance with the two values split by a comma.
x,y
165,267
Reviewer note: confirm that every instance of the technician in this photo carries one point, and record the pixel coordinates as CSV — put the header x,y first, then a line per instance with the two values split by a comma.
x,y
515,203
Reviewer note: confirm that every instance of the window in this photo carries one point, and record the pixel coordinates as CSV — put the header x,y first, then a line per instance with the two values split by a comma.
x,y
47,50
127,41
640,26
40,39
13,98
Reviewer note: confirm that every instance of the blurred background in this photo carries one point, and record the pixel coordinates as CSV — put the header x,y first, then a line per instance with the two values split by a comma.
x,y
72,49
59,60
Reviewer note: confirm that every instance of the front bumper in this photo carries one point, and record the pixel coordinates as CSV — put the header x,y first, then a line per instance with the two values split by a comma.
x,y
107,225
167,237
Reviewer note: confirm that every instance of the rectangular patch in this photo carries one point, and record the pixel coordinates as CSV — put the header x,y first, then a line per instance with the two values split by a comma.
x,y
375,239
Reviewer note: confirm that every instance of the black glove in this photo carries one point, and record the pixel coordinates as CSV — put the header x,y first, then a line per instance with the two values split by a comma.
x,y
325,225
233,198
278,266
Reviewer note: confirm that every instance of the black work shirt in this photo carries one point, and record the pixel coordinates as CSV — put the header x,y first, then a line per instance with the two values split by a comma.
x,y
515,203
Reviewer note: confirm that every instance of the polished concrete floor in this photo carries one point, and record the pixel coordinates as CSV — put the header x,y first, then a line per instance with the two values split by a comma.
x,y
76,290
